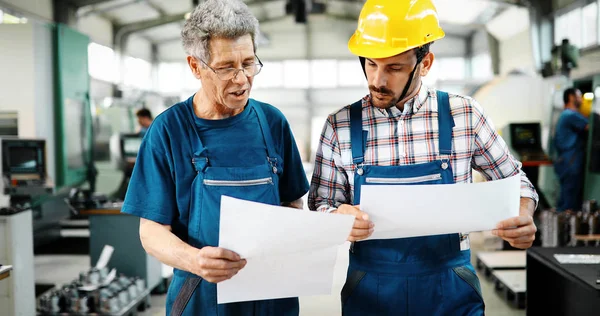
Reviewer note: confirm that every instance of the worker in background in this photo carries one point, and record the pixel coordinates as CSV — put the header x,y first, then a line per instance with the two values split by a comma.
x,y
144,117
569,141
217,142
408,133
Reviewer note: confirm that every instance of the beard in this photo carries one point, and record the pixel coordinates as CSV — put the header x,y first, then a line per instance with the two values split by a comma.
x,y
385,92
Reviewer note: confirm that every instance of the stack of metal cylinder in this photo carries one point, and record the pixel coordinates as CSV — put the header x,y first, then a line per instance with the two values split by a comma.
x,y
558,229
91,293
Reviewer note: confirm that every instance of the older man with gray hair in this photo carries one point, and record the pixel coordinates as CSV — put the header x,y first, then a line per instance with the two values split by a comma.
x,y
217,142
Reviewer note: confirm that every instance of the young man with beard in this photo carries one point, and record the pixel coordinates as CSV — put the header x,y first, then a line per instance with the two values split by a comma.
x,y
409,134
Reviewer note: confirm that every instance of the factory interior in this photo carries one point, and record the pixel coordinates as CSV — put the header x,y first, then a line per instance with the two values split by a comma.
x,y
76,73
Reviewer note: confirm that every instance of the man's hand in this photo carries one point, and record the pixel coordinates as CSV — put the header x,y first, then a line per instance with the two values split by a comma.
x,y
363,228
299,204
217,264
519,231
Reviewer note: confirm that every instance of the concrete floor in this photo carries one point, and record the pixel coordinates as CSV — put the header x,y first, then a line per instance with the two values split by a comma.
x,y
48,271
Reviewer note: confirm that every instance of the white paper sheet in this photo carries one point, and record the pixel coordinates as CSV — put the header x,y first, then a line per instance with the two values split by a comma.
x,y
400,211
289,252
105,256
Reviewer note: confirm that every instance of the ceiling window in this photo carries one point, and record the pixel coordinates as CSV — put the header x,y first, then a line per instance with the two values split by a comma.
x,y
102,63
590,24
574,27
579,26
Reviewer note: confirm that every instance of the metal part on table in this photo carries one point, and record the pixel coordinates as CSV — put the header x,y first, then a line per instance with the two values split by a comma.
x,y
563,229
92,293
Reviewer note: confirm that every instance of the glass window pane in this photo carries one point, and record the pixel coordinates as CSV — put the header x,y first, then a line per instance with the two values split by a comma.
x,y
350,74
452,68
271,75
323,73
455,89
482,66
102,63
590,25
295,74
574,27
560,29
190,82
138,73
433,75
170,77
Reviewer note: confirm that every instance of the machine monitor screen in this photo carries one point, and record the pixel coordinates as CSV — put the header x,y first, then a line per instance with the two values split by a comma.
x,y
23,157
525,136
131,146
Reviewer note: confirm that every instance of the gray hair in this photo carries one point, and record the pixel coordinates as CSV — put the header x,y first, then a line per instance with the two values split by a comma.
x,y
229,19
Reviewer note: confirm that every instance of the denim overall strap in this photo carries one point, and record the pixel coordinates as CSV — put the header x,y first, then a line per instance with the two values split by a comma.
x,y
445,123
356,133
200,158
266,131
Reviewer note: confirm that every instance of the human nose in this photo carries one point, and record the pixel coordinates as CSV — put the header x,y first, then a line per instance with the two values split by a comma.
x,y
239,79
379,78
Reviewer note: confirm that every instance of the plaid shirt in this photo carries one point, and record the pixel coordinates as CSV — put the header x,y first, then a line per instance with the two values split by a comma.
x,y
406,138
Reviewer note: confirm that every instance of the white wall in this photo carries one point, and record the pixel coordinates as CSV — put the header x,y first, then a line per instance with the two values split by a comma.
x,y
514,98
139,47
40,8
517,53
98,29
589,65
171,52
480,42
17,89
26,85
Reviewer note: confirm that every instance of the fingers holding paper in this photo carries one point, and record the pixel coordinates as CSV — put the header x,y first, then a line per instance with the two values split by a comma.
x,y
518,231
363,227
218,264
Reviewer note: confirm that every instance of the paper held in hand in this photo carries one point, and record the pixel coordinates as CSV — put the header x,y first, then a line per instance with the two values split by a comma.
x,y
289,252
400,211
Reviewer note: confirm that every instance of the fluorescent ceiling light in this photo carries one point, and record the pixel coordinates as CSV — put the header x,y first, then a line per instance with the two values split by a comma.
x,y
461,12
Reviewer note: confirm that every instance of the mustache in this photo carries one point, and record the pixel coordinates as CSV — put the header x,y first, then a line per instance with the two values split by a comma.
x,y
382,90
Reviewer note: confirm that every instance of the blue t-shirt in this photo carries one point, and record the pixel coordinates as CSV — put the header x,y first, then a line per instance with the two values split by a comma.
x,y
569,142
569,132
160,186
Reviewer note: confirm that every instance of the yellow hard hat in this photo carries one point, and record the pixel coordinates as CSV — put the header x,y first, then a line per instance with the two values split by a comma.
x,y
586,105
390,27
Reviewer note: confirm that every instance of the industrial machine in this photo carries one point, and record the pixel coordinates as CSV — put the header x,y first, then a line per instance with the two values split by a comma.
x,y
525,141
129,145
24,182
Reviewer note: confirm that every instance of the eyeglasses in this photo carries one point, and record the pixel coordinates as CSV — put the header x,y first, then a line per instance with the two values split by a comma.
x,y
230,73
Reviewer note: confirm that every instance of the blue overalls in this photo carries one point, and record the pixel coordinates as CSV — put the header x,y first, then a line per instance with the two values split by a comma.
x,y
188,293
409,276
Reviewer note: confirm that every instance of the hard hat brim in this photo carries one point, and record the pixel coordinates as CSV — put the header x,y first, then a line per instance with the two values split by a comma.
x,y
365,49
